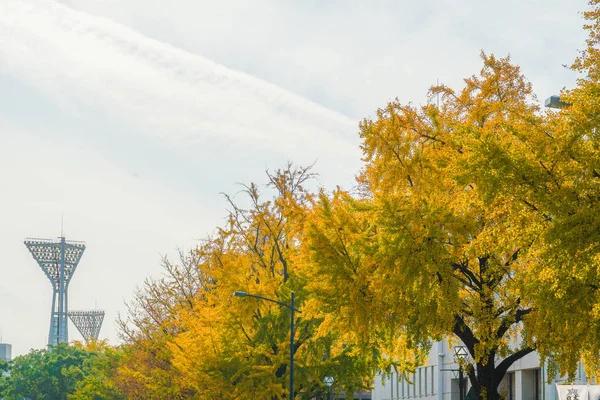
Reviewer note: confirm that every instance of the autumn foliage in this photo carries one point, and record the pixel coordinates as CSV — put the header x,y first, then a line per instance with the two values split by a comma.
x,y
476,218
188,337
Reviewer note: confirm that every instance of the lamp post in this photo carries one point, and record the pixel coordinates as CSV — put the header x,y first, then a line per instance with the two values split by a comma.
x,y
328,381
292,310
460,354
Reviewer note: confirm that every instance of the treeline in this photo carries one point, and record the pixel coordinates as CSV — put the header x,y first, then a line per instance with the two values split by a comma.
x,y
68,371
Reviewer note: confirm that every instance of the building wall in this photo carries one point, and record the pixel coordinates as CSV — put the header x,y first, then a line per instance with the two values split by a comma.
x,y
525,380
5,351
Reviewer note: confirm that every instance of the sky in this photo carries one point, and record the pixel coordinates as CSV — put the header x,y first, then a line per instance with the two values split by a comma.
x,y
129,119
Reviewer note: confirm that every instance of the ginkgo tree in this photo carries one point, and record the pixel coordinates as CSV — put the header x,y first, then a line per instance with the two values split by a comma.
x,y
188,337
458,230
240,347
560,178
149,327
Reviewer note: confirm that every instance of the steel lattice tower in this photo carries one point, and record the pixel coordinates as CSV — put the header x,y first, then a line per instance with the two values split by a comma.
x,y
58,259
88,323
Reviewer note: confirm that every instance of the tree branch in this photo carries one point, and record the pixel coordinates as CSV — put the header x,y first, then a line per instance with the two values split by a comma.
x,y
507,321
465,333
474,282
501,369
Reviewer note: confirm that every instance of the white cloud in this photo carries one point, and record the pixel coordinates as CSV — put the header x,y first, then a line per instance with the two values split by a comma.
x,y
353,56
176,97
133,140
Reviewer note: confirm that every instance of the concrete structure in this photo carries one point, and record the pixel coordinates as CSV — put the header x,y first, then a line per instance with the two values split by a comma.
x,y
525,380
5,352
59,260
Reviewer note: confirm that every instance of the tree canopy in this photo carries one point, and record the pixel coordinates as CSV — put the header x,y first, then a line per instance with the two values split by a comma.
x,y
189,330
64,372
477,219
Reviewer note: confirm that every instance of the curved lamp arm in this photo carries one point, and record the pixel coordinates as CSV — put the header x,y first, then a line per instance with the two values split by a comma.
x,y
244,294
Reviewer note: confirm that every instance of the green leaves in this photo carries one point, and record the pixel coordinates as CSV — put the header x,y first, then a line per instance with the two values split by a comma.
x,y
64,372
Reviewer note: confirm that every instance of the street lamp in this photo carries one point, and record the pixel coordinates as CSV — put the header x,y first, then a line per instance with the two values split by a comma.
x,y
328,381
555,102
460,353
292,310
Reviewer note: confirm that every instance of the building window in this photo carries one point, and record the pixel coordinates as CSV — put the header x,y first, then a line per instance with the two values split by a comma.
x,y
506,388
537,373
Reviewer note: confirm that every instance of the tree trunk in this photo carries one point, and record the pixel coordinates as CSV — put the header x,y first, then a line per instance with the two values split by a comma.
x,y
486,382
485,378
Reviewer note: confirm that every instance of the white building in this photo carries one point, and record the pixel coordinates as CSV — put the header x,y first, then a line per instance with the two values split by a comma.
x,y
525,380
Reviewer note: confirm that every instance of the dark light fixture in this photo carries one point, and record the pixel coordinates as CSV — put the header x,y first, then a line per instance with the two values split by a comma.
x,y
555,102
